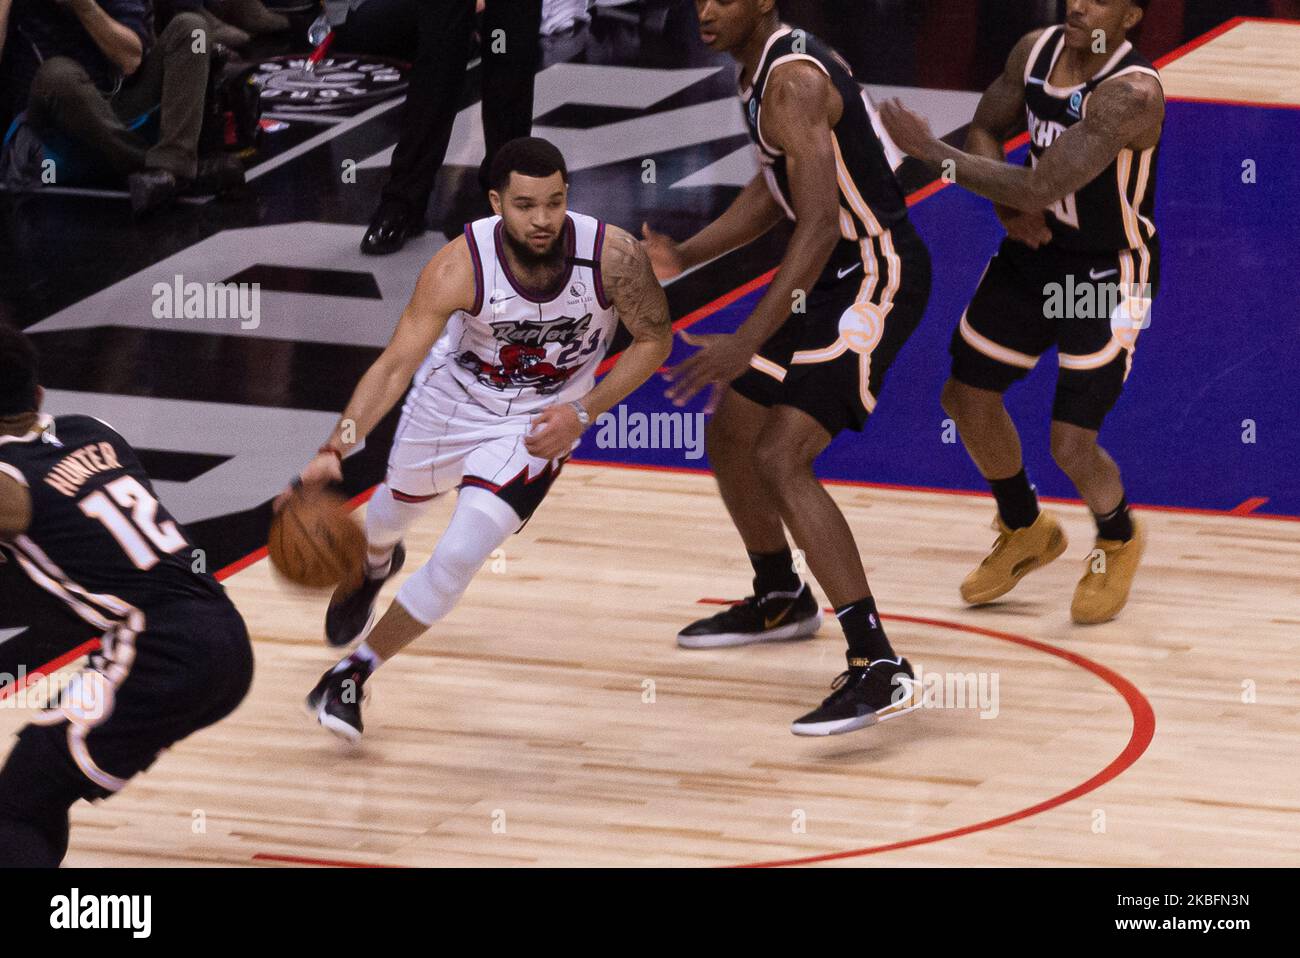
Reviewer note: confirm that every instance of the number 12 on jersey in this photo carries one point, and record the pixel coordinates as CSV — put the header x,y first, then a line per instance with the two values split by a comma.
x,y
131,533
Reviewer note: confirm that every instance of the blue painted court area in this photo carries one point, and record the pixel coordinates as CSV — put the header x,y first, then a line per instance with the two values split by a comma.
x,y
1223,348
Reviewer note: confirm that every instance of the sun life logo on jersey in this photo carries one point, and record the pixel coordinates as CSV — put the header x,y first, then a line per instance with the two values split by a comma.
x,y
1076,103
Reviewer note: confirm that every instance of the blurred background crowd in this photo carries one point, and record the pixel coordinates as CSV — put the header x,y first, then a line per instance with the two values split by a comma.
x,y
124,87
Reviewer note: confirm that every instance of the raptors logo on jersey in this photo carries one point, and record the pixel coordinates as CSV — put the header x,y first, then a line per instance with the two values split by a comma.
x,y
517,366
514,352
521,360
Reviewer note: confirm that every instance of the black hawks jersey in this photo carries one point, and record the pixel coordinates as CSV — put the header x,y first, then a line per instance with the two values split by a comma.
x,y
1116,210
99,539
871,199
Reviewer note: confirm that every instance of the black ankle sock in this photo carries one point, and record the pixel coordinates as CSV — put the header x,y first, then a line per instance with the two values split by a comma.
x,y
774,572
1017,504
1117,525
865,635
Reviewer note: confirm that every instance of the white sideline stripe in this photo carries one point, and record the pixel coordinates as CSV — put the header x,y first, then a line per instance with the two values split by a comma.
x,y
304,118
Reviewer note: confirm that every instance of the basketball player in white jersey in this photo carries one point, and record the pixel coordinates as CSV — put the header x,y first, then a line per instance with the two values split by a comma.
x,y
522,309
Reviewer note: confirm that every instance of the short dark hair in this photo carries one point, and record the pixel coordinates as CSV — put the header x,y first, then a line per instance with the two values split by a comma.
x,y
529,155
17,372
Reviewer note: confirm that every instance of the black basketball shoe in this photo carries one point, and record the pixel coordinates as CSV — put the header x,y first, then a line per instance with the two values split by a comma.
x,y
351,614
885,689
336,700
775,617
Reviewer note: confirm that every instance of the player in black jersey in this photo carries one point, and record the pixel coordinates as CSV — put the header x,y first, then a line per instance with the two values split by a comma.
x,y
1078,270
810,360
79,517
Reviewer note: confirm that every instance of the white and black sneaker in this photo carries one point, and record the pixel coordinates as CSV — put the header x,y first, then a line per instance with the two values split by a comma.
x,y
336,700
352,613
775,617
883,690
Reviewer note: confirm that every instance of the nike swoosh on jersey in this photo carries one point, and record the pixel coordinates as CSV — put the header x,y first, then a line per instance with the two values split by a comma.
x,y
848,269
1096,275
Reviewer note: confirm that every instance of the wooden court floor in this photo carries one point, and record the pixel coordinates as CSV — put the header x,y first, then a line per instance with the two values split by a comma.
x,y
551,720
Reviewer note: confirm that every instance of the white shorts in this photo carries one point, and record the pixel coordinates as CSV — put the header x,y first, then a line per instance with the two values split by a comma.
x,y
445,440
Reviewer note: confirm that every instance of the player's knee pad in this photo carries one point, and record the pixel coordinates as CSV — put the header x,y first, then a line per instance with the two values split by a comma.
x,y
479,525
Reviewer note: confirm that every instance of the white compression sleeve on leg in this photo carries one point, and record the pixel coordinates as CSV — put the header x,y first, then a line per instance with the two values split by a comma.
x,y
387,521
479,525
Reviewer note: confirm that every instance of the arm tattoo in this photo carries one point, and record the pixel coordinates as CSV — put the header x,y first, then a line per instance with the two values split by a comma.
x,y
1118,113
632,287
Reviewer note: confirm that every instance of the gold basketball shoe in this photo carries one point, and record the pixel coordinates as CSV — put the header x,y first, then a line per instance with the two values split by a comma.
x,y
1015,553
1107,575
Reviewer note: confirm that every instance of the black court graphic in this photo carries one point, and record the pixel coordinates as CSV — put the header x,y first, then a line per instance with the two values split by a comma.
x,y
339,86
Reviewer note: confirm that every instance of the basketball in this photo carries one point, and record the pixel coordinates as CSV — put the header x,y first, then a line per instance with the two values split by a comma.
x,y
315,542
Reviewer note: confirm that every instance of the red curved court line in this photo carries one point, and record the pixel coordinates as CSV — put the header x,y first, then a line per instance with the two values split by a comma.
x,y
1144,729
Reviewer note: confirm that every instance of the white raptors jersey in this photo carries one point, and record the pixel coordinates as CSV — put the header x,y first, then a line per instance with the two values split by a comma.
x,y
515,352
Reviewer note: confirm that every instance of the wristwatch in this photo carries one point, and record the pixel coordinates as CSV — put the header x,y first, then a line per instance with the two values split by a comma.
x,y
581,410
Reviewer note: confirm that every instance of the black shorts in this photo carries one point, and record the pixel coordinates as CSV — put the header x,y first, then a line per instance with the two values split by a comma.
x,y
830,360
188,668
1091,306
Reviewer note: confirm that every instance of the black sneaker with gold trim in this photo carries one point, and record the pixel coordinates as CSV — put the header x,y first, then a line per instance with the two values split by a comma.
x,y
885,689
775,617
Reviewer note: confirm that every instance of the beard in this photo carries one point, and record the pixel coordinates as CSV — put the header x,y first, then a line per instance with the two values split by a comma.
x,y
552,256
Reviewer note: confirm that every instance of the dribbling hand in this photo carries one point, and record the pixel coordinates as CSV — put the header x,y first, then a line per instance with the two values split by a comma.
x,y
322,470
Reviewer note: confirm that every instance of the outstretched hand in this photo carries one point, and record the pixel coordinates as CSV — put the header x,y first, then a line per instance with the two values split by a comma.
x,y
721,358
909,130
664,252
